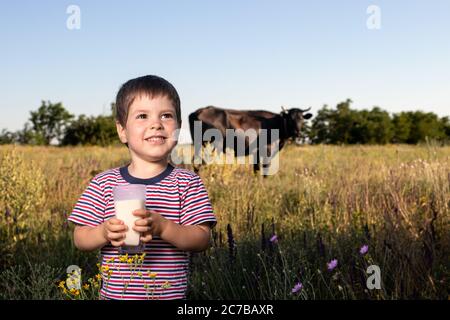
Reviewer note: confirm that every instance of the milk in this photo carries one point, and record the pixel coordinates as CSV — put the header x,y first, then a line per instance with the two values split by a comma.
x,y
124,212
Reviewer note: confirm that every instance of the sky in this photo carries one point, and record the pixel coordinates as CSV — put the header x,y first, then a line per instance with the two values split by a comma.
x,y
246,54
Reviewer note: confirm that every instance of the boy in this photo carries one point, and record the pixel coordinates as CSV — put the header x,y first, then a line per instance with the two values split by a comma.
x,y
178,214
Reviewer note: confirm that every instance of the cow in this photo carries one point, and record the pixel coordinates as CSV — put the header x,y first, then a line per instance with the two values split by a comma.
x,y
288,123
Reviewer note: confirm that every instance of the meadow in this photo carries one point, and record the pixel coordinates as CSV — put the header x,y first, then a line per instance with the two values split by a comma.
x,y
308,232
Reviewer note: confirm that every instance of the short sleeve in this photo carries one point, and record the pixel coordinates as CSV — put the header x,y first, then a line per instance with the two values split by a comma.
x,y
90,207
195,205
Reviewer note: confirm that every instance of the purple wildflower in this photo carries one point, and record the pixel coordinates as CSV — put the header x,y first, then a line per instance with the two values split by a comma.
x,y
364,249
274,239
297,287
332,264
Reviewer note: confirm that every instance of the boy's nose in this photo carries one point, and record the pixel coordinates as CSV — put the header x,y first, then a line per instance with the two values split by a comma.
x,y
156,126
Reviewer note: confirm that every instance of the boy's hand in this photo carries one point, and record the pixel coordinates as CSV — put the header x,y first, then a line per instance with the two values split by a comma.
x,y
151,224
114,231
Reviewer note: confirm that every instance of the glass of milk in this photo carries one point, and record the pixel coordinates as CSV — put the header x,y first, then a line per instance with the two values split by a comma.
x,y
128,198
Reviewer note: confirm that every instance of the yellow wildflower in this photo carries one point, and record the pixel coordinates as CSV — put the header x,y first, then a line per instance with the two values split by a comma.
x,y
76,272
98,276
61,284
86,286
105,268
152,274
130,261
166,285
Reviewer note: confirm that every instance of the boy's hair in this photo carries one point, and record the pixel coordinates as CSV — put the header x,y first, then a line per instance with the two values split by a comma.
x,y
152,86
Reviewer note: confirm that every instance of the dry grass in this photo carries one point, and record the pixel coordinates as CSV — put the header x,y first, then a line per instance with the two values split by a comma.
x,y
325,202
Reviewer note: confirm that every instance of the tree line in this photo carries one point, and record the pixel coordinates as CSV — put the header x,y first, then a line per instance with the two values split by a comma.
x,y
345,125
53,124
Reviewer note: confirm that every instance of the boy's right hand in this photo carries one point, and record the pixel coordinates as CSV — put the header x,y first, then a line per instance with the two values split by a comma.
x,y
114,231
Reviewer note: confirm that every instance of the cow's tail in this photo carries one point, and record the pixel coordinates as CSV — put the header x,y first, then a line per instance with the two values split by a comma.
x,y
196,160
192,118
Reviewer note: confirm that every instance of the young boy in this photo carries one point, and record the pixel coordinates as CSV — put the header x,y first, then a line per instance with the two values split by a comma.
x,y
178,214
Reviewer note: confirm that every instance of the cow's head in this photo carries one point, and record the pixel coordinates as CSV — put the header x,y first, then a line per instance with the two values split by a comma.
x,y
294,120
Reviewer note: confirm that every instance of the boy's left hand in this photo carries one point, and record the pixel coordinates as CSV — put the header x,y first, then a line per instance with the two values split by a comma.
x,y
150,224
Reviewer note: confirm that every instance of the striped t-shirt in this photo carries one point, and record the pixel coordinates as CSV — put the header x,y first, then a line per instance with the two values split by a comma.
x,y
177,194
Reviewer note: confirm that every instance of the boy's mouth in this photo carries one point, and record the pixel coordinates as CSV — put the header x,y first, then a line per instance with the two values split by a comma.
x,y
156,139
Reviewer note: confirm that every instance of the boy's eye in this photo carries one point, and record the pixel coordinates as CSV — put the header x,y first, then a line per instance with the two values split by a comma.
x,y
168,115
141,116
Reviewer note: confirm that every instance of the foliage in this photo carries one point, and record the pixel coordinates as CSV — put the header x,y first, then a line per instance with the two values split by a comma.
x,y
49,121
99,130
348,126
324,204
22,195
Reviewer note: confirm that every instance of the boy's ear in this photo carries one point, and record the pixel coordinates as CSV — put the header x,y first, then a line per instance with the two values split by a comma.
x,y
121,132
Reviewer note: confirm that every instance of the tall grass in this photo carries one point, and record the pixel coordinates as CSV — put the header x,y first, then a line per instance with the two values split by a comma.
x,y
324,203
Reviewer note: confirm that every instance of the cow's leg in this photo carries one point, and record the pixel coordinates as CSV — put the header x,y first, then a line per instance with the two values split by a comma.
x,y
265,170
254,155
256,166
195,163
269,151
266,160
257,160
197,159
263,158
270,160
265,166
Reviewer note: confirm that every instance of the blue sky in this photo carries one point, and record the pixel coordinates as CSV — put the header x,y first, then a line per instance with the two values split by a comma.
x,y
248,54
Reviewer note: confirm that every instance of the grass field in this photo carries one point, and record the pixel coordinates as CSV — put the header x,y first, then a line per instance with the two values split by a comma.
x,y
324,204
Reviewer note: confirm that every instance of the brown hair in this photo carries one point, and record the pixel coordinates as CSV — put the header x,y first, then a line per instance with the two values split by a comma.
x,y
150,85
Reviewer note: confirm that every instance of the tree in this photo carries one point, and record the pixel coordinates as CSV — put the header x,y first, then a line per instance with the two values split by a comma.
x,y
342,123
445,123
6,137
99,130
402,127
50,121
425,126
416,126
379,127
346,126
24,136
29,136
320,127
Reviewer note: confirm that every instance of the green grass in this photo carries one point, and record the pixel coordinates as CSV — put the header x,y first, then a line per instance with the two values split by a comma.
x,y
323,204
